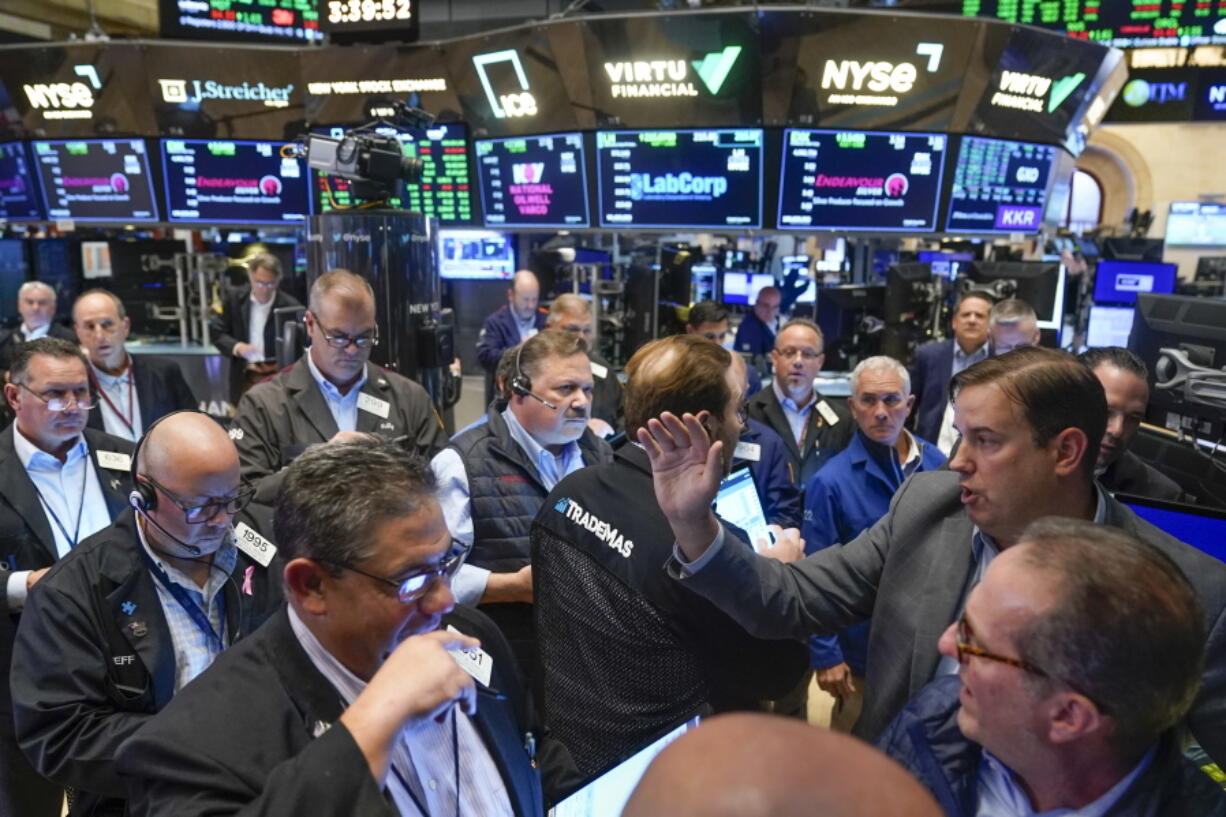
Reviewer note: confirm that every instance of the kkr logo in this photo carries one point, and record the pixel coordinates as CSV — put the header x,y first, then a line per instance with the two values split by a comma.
x,y
506,105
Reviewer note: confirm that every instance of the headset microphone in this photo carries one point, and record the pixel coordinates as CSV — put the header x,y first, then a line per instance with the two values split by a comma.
x,y
135,500
521,385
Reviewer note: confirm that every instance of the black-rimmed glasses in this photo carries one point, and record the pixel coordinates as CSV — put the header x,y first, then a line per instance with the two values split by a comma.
x,y
413,586
196,514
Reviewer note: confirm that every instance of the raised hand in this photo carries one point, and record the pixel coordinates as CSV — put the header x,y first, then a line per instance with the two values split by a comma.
x,y
686,469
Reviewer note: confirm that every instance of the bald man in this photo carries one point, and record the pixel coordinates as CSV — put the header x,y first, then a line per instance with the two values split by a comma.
x,y
747,765
141,608
510,325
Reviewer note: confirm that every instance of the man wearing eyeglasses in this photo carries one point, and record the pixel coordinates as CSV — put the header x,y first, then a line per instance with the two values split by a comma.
x,y
813,429
333,392
139,609
354,699
60,482
1071,684
1031,422
131,396
245,331
850,493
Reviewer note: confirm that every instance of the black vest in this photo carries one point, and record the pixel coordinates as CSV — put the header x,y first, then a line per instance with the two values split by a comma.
x,y
505,491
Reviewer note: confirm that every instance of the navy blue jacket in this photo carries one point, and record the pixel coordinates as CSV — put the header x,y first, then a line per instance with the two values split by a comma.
x,y
499,333
930,372
925,739
754,337
847,496
780,496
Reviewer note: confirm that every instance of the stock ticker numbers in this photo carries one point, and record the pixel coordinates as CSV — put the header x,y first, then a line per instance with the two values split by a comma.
x,y
257,20
1119,23
340,12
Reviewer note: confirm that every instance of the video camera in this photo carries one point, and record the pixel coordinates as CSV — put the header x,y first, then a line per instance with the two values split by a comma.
x,y
375,162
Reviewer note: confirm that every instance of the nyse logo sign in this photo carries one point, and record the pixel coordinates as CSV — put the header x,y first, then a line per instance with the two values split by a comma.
x,y
876,82
65,100
1027,92
506,106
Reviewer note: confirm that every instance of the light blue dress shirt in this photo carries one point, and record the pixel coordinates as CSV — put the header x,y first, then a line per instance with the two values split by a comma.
x,y
468,586
423,755
68,491
1001,796
344,407
796,415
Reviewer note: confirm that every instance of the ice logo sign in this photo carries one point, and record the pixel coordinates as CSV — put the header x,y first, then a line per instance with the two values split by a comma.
x,y
676,187
528,172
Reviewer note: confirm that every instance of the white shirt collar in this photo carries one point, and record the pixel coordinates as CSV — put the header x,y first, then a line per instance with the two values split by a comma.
x,y
35,334
913,452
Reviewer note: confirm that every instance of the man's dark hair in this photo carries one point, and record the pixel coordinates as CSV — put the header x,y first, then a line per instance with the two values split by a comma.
x,y
1054,391
679,374
807,324
264,260
706,312
974,293
545,344
1116,356
336,494
1126,629
46,346
123,313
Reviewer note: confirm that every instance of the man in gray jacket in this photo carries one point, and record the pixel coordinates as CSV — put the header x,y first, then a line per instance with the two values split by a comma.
x,y
1031,422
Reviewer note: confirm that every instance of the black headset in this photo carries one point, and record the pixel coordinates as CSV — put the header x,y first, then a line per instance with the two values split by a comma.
x,y
521,384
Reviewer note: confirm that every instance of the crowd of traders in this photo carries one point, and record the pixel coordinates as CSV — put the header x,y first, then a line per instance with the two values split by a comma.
x,y
331,607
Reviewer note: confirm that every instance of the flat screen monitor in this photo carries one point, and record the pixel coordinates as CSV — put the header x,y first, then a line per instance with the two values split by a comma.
x,y
96,180
680,178
743,287
533,181
272,21
703,282
476,254
1118,282
855,180
606,795
18,196
1196,327
999,186
14,271
57,263
1109,326
1202,528
226,181
1038,283
445,190
944,264
1196,224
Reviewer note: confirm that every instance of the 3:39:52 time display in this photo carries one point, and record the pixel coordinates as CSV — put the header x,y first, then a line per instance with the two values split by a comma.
x,y
369,11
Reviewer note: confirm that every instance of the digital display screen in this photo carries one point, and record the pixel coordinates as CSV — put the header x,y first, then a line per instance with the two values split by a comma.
x,y
1109,326
853,180
999,186
1200,527
277,21
743,287
220,181
533,181
688,178
1159,95
390,19
96,180
1113,22
1196,224
1210,102
480,254
1118,282
18,199
445,191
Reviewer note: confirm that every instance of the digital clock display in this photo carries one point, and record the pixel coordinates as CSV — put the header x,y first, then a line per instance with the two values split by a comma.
x,y
374,20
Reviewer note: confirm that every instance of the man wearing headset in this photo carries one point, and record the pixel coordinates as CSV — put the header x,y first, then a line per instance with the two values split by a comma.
x,y
494,476
139,609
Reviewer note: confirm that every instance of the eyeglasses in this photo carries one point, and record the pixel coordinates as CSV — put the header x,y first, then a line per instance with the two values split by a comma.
x,y
966,649
890,401
64,399
196,514
264,284
413,586
805,354
339,340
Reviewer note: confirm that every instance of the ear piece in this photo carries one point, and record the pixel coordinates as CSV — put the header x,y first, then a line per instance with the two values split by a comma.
x,y
520,384
135,501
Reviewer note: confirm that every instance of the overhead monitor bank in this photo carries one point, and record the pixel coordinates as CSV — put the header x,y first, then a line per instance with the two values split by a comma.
x,y
96,180
534,181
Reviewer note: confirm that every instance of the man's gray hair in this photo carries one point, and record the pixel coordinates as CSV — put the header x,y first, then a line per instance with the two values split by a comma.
x,y
1011,312
568,304
1126,629
264,260
337,279
335,495
30,286
881,363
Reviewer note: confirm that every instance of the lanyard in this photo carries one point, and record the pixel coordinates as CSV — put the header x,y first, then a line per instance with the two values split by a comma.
x,y
189,606
455,748
131,398
76,535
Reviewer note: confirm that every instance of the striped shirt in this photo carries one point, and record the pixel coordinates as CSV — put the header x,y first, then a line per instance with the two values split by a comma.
x,y
424,755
